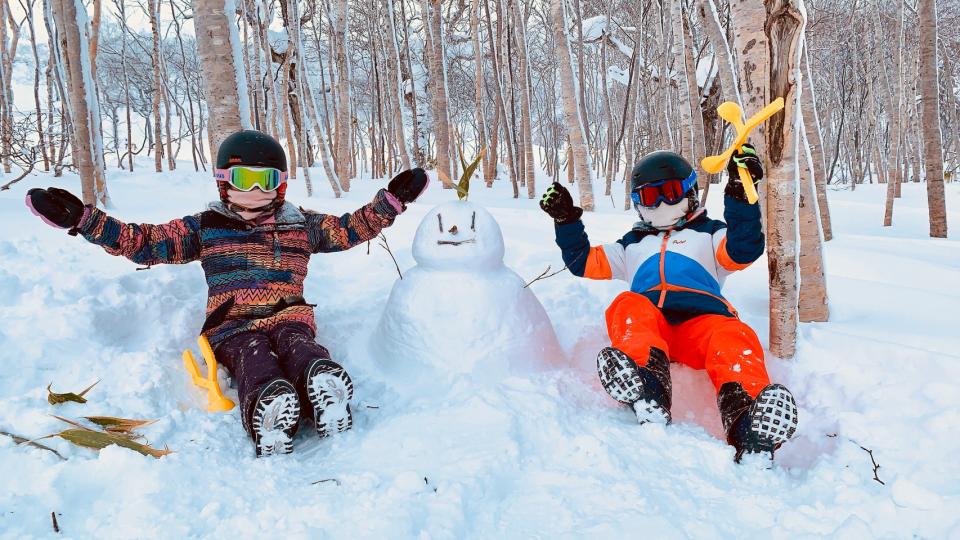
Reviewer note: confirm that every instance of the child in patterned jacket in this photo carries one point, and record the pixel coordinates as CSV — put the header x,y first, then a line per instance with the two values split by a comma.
x,y
254,248
675,260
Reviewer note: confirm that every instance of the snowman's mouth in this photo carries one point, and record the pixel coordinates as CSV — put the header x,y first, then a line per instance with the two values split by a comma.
x,y
456,242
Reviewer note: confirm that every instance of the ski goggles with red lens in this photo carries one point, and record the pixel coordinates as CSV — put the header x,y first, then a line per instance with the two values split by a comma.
x,y
247,178
669,191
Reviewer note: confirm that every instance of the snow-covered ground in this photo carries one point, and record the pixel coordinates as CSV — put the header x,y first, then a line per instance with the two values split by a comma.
x,y
542,454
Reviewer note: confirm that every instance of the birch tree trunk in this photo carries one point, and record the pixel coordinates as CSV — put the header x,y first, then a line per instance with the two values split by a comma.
x,y
344,153
396,99
441,120
478,91
8,51
70,18
154,14
784,27
753,63
41,138
698,146
581,166
814,137
527,136
224,83
930,113
680,66
721,50
813,303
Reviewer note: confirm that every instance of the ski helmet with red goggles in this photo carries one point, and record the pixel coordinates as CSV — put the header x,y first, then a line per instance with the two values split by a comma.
x,y
662,176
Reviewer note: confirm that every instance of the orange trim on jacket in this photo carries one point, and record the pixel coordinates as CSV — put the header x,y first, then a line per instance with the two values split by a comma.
x,y
598,267
724,258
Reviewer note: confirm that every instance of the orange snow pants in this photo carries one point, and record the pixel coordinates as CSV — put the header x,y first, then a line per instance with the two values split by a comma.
x,y
725,347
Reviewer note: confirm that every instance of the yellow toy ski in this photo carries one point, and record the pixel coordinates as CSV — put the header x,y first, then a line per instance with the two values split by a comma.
x,y
732,113
217,402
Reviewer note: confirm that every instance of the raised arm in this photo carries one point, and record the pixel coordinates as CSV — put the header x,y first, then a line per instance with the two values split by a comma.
x,y
176,242
742,241
597,262
328,233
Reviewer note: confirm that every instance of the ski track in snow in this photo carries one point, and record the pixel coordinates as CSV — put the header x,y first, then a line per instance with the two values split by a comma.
x,y
541,455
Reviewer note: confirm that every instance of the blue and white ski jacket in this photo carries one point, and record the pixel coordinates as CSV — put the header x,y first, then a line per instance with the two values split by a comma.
x,y
680,270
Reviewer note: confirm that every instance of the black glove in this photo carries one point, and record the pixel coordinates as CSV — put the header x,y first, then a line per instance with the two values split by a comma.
x,y
58,207
748,159
408,185
745,158
559,204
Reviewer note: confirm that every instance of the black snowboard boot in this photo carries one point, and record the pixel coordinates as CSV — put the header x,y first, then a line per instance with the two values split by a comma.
x,y
759,425
272,418
646,389
329,390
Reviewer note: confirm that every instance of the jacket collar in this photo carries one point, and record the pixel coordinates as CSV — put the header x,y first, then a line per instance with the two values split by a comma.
x,y
288,214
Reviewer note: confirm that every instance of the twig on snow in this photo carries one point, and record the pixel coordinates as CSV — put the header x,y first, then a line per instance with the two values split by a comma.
x,y
874,461
876,466
21,440
386,246
334,480
545,275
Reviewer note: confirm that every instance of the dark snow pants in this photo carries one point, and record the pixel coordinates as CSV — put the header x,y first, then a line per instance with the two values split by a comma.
x,y
257,357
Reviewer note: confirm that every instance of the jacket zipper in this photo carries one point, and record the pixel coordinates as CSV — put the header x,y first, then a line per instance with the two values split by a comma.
x,y
663,274
276,247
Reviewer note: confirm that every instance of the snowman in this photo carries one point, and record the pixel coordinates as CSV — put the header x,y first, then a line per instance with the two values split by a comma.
x,y
460,310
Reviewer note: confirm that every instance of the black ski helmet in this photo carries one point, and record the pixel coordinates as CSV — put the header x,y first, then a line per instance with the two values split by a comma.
x,y
253,148
664,165
658,166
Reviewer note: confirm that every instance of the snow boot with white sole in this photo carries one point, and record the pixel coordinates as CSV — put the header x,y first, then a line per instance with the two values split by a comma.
x,y
646,389
760,425
329,390
273,418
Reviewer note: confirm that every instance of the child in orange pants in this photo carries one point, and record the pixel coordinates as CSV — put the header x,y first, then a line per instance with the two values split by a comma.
x,y
676,259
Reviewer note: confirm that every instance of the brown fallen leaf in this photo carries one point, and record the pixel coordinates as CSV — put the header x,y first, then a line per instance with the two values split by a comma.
x,y
119,425
99,440
55,399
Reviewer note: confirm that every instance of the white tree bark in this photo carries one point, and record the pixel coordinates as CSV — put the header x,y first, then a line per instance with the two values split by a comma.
x,y
581,165
718,41
930,113
343,161
784,28
71,22
813,301
224,91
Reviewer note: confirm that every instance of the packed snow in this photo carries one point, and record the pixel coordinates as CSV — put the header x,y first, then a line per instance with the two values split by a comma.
x,y
536,454
460,310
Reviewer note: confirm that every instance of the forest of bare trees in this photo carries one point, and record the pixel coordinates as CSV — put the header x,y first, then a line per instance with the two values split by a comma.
x,y
545,90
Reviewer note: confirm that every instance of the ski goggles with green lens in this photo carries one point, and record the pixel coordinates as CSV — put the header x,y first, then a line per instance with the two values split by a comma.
x,y
247,178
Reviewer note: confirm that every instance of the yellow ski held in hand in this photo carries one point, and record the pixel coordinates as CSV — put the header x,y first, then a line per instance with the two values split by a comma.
x,y
217,402
731,112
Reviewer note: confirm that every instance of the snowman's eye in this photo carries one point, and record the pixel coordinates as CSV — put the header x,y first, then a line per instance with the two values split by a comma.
x,y
473,222
440,222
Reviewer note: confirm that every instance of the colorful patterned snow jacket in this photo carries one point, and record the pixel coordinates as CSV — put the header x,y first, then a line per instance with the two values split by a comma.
x,y
254,273
682,270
